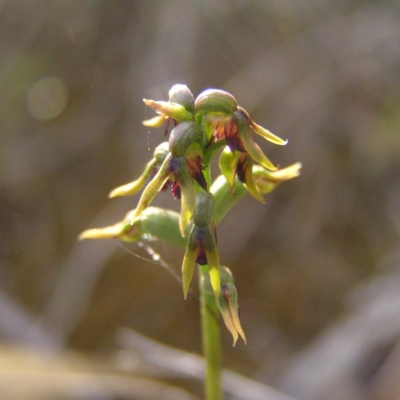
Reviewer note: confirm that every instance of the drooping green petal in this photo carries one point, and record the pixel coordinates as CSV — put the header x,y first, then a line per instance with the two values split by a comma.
x,y
154,186
133,187
188,200
173,110
228,161
189,259
250,182
265,133
251,147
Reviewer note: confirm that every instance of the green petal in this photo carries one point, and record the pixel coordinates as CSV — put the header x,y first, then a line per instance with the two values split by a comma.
x,y
188,192
250,182
128,230
154,122
227,165
251,147
133,187
154,186
109,232
266,134
266,181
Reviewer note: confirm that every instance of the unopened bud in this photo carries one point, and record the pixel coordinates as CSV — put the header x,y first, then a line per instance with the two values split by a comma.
x,y
216,101
181,94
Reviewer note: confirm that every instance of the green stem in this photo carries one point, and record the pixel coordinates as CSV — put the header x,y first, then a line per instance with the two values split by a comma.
x,y
210,336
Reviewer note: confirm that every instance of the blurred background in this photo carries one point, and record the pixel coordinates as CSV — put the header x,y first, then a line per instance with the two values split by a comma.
x,y
317,268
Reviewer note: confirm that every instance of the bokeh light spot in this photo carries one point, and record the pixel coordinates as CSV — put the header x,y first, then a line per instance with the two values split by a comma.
x,y
47,98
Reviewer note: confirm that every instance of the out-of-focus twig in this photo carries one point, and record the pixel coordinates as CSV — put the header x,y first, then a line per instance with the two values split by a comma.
x,y
186,365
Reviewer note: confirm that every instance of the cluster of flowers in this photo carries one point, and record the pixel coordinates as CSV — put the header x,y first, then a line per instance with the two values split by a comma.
x,y
202,126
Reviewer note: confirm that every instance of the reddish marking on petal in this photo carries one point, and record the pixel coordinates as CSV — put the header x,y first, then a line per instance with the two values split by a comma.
x,y
201,257
195,167
241,171
176,190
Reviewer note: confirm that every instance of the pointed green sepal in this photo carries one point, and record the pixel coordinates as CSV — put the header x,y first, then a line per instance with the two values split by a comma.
x,y
154,186
133,187
266,181
249,144
108,232
127,230
265,133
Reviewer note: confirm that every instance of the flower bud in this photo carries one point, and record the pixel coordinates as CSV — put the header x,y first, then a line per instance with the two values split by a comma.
x,y
214,100
183,135
227,302
204,209
160,152
181,94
